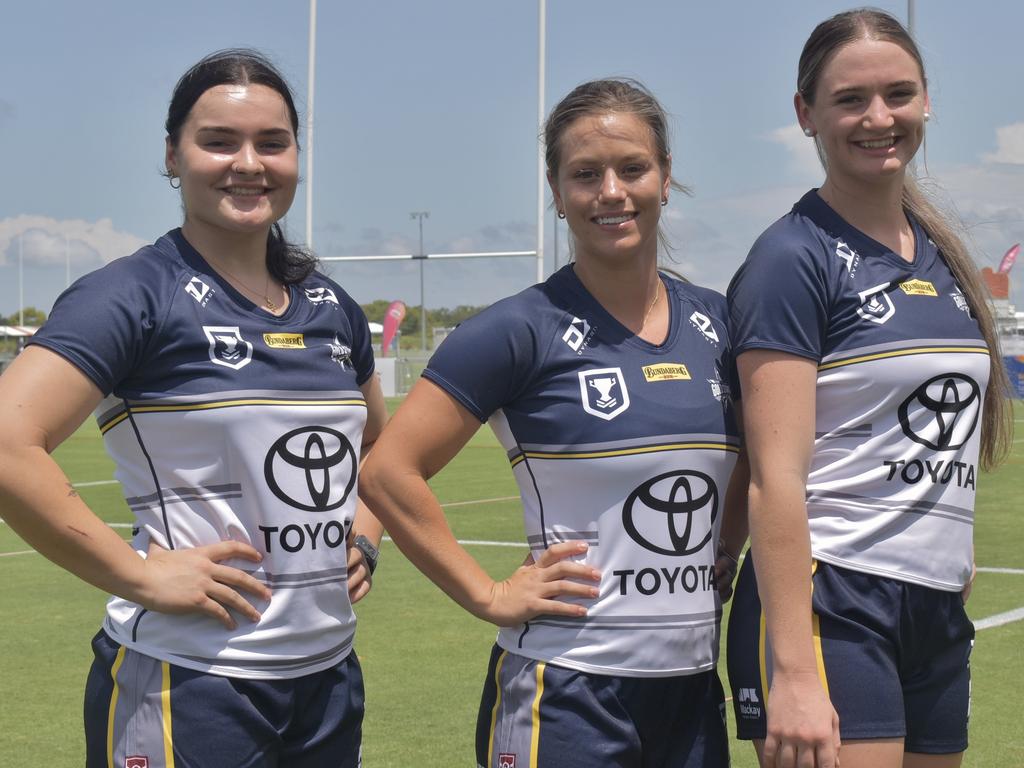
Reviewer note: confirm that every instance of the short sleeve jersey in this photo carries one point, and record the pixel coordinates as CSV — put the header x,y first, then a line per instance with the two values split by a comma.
x,y
617,442
902,372
226,422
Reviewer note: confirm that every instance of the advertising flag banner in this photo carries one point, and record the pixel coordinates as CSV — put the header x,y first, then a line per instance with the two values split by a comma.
x,y
392,319
1008,258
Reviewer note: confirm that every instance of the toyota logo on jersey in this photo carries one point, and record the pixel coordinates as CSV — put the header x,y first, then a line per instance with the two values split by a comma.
x,y
673,513
311,468
943,412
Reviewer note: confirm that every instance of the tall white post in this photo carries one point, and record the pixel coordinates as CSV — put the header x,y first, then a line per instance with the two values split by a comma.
x,y
541,22
21,279
309,124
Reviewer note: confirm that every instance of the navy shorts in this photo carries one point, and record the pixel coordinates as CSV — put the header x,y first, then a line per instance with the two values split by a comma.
x,y
159,714
538,715
895,657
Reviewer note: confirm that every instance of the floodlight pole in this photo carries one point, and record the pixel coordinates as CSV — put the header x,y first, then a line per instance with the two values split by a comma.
x,y
309,124
910,17
67,262
421,255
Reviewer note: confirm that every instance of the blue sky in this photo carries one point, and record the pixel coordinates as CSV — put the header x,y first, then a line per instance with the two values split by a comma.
x,y
433,106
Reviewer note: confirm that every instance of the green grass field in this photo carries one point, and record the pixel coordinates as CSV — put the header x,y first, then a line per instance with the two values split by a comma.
x,y
424,658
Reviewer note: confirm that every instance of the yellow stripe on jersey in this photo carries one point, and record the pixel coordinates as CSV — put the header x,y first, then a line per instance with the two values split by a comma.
x,y
497,703
819,657
104,428
165,701
623,451
902,353
535,716
118,660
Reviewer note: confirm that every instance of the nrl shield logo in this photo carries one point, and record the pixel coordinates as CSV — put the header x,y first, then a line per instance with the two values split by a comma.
x,y
604,393
227,347
876,306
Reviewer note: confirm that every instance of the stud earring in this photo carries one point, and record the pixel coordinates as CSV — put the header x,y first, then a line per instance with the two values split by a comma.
x,y
664,202
808,132
561,214
927,116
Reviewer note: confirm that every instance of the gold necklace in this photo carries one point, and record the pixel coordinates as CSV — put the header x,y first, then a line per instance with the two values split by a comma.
x,y
267,301
657,295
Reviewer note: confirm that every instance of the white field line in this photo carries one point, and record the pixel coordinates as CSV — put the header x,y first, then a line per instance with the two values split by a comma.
x,y
1000,618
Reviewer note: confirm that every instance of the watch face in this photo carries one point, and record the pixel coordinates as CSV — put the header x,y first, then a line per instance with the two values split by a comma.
x,y
370,552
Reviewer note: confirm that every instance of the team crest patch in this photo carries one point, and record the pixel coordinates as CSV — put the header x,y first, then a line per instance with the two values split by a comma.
x,y
876,306
227,347
506,760
284,340
918,288
720,389
320,295
961,301
604,392
136,761
340,353
666,372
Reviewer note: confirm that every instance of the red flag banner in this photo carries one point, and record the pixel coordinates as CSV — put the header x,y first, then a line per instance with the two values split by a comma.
x,y
392,319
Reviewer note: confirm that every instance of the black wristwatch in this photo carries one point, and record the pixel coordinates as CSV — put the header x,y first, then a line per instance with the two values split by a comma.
x,y
370,553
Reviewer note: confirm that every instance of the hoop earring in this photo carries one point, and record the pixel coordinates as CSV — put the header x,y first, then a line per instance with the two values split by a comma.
x,y
561,214
171,179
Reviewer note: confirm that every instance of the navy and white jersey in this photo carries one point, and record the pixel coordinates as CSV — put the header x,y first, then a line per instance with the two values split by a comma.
x,y
226,422
617,442
902,371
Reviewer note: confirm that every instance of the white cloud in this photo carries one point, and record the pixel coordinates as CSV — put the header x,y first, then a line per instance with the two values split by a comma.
x,y
47,241
1009,145
802,153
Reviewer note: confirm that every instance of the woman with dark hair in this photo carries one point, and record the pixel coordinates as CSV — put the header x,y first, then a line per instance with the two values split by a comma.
x,y
609,387
234,388
873,389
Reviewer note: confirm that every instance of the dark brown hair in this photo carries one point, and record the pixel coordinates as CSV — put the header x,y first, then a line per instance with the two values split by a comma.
x,y
286,262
